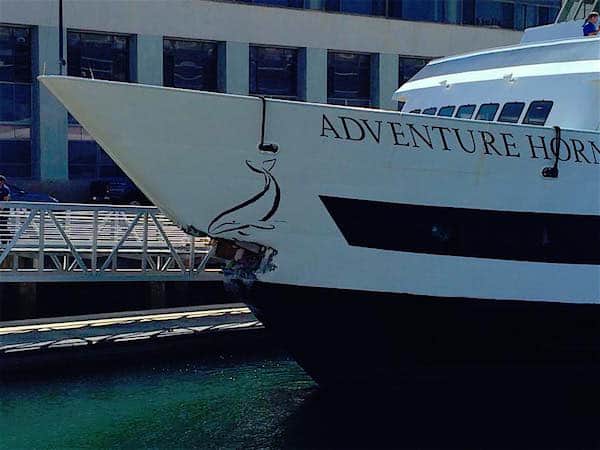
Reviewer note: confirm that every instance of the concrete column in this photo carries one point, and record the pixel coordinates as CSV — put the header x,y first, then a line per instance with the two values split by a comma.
x,y
49,116
237,75
148,59
387,64
315,71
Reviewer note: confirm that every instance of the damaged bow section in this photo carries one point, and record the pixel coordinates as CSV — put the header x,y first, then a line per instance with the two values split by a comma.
x,y
242,262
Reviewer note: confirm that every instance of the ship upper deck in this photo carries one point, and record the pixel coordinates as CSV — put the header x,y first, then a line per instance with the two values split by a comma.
x,y
559,51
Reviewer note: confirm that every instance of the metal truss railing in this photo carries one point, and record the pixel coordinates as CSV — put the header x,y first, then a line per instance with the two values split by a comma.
x,y
74,242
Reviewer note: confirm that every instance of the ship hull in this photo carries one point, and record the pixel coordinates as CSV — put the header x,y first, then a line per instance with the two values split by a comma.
x,y
347,338
417,245
360,199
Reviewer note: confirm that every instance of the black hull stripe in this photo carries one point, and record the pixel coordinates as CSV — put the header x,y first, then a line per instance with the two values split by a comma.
x,y
506,235
360,337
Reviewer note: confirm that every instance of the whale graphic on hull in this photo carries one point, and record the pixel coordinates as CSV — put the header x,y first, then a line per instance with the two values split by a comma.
x,y
259,208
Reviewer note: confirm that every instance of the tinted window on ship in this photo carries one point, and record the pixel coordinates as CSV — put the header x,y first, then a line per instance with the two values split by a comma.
x,y
538,112
446,111
487,111
465,112
430,111
511,112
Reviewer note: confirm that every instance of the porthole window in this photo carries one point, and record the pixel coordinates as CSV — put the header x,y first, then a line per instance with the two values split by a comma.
x,y
465,112
487,111
538,112
430,111
446,111
511,112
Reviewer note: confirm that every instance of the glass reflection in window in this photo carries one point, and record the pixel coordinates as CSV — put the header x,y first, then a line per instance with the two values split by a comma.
x,y
274,71
349,79
190,64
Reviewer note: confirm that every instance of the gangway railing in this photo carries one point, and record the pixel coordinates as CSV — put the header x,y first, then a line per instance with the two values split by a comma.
x,y
76,242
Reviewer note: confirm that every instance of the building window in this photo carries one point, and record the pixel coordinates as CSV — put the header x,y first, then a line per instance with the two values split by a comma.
x,y
100,56
15,102
348,79
366,7
282,3
190,64
444,11
513,14
274,72
408,66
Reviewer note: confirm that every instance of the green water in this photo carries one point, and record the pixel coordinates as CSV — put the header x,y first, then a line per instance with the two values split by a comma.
x,y
267,401
210,405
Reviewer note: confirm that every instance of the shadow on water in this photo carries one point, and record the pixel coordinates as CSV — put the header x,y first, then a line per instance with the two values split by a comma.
x,y
440,417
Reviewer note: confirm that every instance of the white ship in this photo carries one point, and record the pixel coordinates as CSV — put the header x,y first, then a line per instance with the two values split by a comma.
x,y
461,232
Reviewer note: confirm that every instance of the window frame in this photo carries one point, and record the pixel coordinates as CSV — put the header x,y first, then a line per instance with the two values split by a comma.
x,y
17,126
497,105
452,110
101,157
364,102
130,51
526,121
469,105
173,40
504,106
296,50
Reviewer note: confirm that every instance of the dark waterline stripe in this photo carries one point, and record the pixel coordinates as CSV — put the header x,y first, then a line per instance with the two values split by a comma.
x,y
506,235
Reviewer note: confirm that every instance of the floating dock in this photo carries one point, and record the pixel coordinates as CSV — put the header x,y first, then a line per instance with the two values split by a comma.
x,y
94,338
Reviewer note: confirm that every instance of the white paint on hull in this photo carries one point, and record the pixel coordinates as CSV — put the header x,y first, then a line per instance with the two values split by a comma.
x,y
187,150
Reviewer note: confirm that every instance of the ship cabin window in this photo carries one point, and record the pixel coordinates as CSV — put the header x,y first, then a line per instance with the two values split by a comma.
x,y
511,112
430,111
538,112
465,112
487,111
446,111
401,105
415,111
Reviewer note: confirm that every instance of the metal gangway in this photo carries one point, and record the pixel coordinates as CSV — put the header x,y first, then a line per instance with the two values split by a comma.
x,y
44,242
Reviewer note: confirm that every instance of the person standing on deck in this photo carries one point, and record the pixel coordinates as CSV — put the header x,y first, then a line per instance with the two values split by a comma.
x,y
5,197
590,25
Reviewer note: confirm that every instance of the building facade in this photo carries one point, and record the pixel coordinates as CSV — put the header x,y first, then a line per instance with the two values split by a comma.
x,y
346,52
